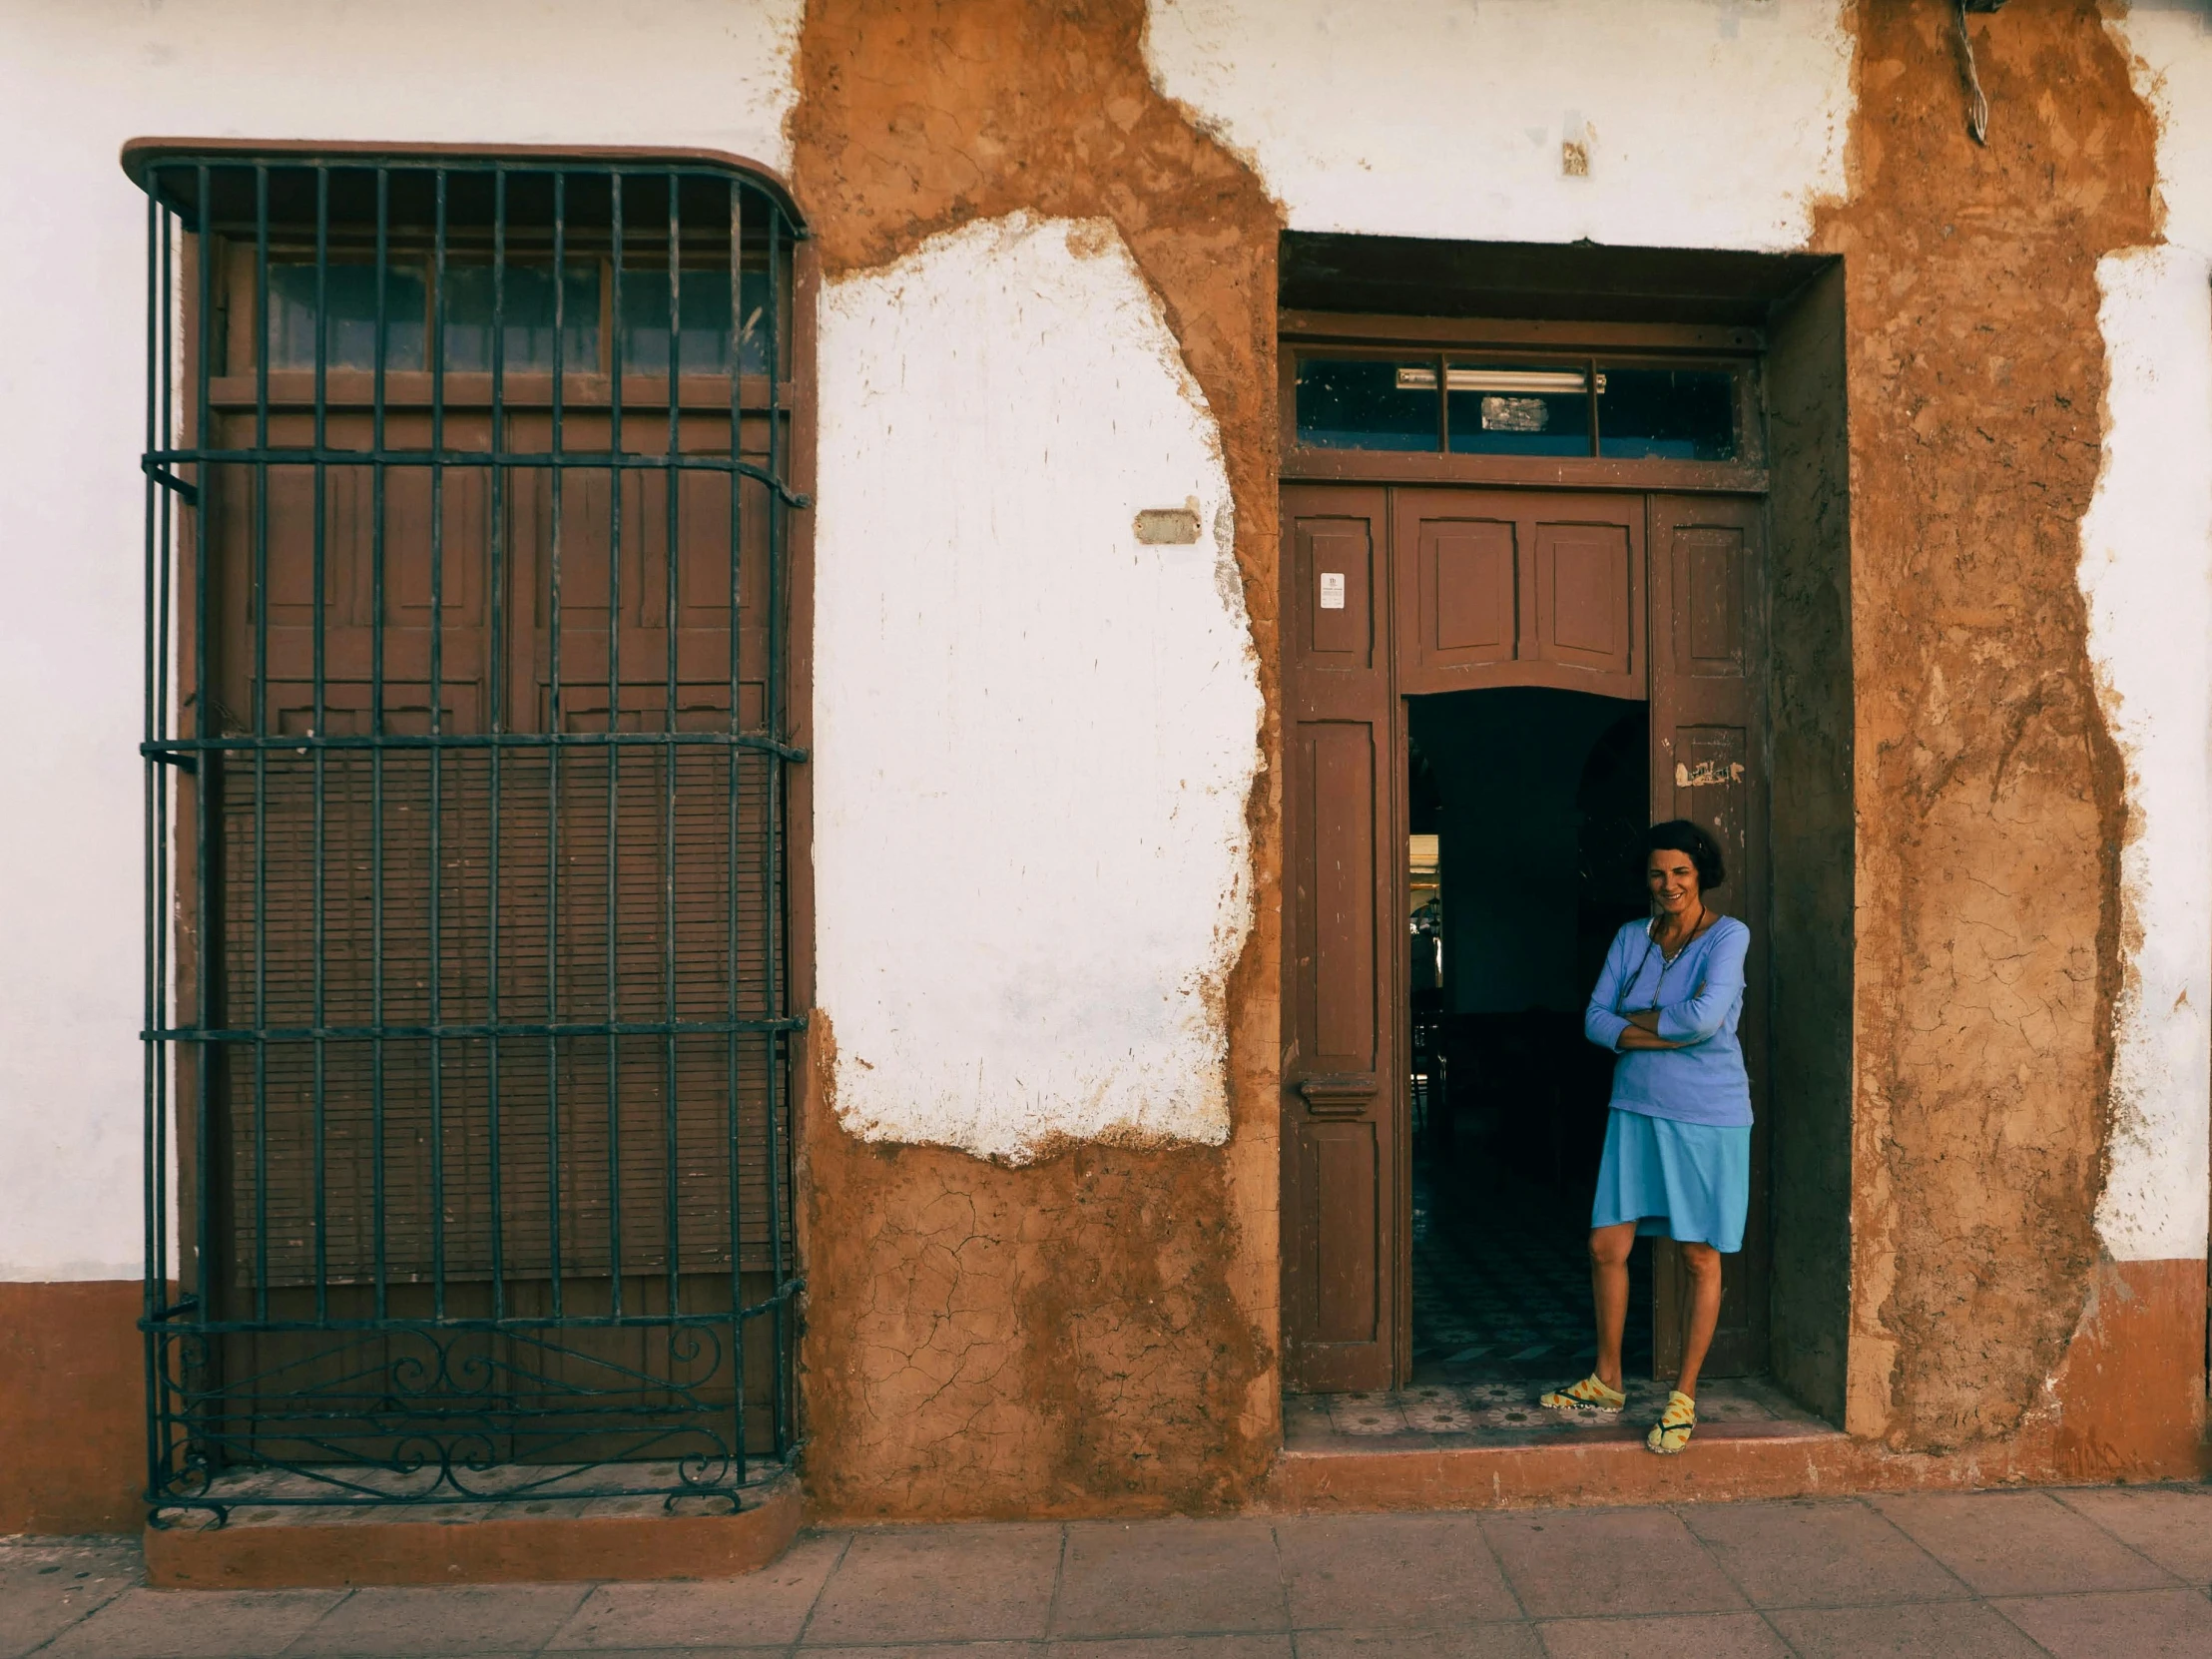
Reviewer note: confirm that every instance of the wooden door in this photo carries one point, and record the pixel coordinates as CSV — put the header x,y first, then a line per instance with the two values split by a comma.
x,y
1518,588
1707,753
1344,1175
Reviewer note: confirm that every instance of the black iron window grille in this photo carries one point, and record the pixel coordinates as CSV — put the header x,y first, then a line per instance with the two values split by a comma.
x,y
467,1023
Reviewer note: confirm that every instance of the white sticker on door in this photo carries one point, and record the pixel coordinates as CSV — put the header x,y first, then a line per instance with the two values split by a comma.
x,y
1332,590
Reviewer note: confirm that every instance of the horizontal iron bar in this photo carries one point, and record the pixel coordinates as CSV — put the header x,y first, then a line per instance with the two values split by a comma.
x,y
170,481
344,1495
275,745
599,460
374,1033
159,1324
159,752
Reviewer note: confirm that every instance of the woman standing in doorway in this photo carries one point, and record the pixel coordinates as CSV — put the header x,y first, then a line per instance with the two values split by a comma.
x,y
1677,1159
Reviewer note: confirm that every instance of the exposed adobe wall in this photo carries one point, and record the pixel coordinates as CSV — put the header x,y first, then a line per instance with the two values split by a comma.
x,y
1093,1331
1809,633
1990,792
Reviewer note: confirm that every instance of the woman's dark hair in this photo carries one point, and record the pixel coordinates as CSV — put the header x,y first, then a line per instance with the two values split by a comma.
x,y
1679,834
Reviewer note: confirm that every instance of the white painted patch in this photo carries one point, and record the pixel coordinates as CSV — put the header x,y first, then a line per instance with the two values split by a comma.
x,y
1705,123
2147,570
76,81
2169,44
1034,736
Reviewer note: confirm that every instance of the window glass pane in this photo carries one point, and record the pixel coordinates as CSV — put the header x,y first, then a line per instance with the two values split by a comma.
x,y
706,339
1518,409
527,305
350,292
1366,403
1686,414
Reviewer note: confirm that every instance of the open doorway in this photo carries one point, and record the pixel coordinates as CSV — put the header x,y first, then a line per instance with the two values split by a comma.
x,y
1523,808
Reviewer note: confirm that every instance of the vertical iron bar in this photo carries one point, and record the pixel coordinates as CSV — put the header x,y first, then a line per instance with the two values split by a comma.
x,y
672,483
320,728
260,729
376,753
772,889
735,634
204,779
498,581
153,812
165,625
437,753
553,754
614,761
165,1054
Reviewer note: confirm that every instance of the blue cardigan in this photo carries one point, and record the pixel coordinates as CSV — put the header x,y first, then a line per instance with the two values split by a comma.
x,y
1700,996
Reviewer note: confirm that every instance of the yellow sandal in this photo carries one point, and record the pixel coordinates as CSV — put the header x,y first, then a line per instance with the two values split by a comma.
x,y
1672,1431
1589,1394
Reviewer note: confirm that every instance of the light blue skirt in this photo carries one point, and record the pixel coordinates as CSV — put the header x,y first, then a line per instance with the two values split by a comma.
x,y
1685,1181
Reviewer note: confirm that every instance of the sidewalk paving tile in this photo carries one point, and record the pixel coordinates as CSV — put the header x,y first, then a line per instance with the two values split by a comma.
x,y
1910,1630
1169,1577
46,1587
1824,1553
2138,1624
763,1609
1569,1563
1467,1641
442,1619
1249,1646
912,1585
1374,1571
2020,1543
927,1650
193,1624
2170,1524
1676,1636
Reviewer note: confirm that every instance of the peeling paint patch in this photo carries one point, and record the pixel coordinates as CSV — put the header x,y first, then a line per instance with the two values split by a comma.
x,y
1037,733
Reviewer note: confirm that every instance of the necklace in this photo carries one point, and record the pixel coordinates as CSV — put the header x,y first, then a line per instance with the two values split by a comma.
x,y
1667,959
1668,956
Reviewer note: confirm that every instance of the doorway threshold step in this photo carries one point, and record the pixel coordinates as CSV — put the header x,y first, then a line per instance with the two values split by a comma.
x,y
1486,1445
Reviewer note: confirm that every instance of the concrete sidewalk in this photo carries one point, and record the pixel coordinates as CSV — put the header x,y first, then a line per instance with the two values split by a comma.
x,y
2073,1573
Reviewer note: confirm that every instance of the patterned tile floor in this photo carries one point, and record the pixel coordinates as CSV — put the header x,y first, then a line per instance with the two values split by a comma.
x,y
1502,1282
1506,1413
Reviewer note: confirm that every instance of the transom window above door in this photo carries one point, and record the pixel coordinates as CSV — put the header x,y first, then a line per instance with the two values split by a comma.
x,y
1522,405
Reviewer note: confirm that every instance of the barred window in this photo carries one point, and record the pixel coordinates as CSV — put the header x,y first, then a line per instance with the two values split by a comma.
x,y
467,514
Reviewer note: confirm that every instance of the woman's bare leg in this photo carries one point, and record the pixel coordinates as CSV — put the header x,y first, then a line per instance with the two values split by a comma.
x,y
1609,1248
1704,1263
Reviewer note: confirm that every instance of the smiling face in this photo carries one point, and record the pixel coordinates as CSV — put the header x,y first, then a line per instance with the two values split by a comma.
x,y
1671,877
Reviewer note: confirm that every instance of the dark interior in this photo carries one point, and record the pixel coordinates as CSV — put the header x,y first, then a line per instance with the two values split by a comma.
x,y
1536,798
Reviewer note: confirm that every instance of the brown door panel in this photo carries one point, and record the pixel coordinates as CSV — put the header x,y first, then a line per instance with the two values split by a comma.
x,y
1505,588
1708,717
1342,1153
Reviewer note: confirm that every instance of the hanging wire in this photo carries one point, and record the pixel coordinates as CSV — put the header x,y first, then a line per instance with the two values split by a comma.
x,y
1978,105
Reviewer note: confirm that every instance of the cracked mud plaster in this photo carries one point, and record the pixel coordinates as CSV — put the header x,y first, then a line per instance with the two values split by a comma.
x,y
1990,792
1092,1332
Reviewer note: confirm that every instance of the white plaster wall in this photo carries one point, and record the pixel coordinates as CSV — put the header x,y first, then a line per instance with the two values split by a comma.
x,y
1034,736
2147,572
1708,123
76,81
2170,45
